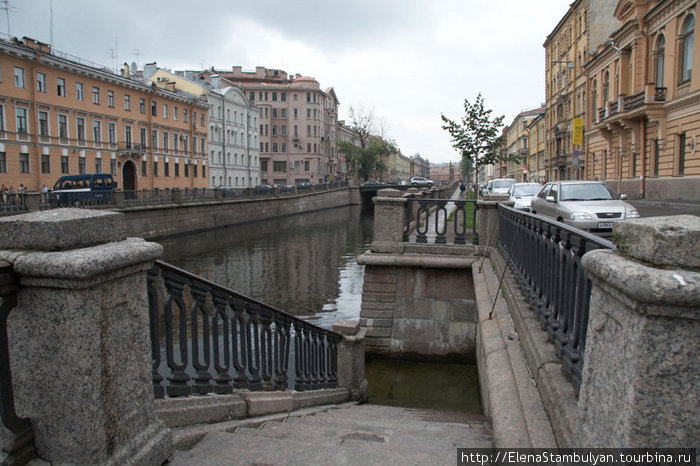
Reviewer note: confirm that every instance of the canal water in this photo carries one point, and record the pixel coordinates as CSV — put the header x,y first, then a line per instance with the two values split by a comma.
x,y
306,265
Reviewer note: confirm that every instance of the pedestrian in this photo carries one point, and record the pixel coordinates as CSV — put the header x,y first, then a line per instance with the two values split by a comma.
x,y
462,188
44,194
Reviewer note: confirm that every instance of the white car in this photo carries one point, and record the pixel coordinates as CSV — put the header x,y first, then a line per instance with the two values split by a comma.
x,y
420,181
501,185
521,194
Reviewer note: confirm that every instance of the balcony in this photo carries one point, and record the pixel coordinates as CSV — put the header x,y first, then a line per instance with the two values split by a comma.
x,y
130,149
659,94
634,101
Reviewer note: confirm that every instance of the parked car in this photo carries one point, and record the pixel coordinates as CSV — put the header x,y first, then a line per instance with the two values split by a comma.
x,y
501,185
421,181
588,205
521,194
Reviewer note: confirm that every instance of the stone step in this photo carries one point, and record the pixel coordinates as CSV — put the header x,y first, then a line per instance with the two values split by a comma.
x,y
364,434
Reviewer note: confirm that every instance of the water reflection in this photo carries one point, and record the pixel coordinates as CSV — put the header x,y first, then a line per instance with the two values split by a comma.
x,y
304,264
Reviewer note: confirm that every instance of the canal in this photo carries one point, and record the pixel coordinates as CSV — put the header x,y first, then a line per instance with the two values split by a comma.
x,y
303,264
306,265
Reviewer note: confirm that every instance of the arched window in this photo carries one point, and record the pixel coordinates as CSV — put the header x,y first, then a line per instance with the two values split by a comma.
x,y
660,52
687,38
606,88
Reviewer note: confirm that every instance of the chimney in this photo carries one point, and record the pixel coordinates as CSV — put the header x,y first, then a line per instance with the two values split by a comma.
x,y
149,69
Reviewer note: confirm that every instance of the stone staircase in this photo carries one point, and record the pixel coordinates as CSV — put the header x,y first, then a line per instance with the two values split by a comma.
x,y
345,434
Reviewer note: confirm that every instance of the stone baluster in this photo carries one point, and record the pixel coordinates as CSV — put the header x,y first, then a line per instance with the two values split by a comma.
x,y
389,220
79,337
641,375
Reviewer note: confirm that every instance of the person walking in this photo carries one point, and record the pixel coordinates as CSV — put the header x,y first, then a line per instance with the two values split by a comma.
x,y
462,189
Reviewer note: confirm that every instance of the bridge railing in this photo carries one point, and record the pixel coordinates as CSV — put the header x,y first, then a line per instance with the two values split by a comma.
x,y
429,218
206,338
545,257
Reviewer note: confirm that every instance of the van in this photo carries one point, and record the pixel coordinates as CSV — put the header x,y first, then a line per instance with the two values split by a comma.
x,y
86,189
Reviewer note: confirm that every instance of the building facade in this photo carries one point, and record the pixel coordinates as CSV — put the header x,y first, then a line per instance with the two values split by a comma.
x,y
61,117
568,48
517,142
298,126
537,131
644,117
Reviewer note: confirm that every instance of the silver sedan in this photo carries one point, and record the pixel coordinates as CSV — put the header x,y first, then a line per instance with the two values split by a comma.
x,y
588,205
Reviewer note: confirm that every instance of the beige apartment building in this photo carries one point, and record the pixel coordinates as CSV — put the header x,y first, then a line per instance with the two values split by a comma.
x,y
59,116
644,119
568,48
298,124
517,140
537,132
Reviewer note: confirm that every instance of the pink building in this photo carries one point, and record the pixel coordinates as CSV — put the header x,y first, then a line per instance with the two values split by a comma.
x,y
442,172
298,124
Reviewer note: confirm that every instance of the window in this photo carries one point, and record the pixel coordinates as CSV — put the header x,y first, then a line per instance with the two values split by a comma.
x,y
274,112
81,165
64,165
155,168
176,113
61,87
177,168
655,163
80,127
279,166
687,38
252,95
97,130
3,162
166,168
283,96
43,123
143,136
184,115
127,136
95,95
606,88
165,110
62,126
79,91
112,133
21,119
154,108
19,77
144,165
23,163
113,166
166,141
142,105
98,165
187,170
284,113
40,82
659,57
45,163
110,99
202,119
127,102
194,171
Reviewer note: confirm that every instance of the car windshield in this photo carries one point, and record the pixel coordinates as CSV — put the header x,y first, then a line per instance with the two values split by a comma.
x,y
526,190
586,192
503,183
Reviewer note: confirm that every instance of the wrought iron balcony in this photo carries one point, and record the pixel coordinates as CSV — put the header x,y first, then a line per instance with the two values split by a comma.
x,y
634,101
660,95
131,149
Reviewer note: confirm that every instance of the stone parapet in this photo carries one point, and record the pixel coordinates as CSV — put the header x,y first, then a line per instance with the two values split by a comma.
x,y
79,339
641,366
351,358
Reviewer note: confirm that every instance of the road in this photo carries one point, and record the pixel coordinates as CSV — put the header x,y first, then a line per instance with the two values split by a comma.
x,y
660,209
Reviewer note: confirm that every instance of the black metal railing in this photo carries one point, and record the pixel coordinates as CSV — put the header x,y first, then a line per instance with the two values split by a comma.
x,y
206,338
429,219
545,257
19,428
13,202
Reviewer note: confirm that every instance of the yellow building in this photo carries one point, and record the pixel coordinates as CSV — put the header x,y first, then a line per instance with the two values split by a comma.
x,y
518,141
537,131
568,47
645,102
59,116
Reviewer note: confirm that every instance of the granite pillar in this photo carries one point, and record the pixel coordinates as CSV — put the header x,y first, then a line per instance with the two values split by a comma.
x,y
351,359
641,377
79,337
389,218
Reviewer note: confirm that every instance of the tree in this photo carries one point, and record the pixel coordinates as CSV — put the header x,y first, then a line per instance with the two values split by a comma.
x,y
362,123
366,161
477,136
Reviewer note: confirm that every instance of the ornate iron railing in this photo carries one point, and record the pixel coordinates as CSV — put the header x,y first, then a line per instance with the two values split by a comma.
x,y
429,218
206,338
545,257
13,202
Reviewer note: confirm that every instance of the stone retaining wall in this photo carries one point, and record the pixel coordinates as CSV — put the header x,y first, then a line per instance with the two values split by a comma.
x,y
168,220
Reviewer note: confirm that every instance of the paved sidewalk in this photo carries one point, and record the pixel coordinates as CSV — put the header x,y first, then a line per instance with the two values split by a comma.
x,y
357,435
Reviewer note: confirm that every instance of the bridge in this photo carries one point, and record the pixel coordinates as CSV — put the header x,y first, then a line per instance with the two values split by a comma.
x,y
83,308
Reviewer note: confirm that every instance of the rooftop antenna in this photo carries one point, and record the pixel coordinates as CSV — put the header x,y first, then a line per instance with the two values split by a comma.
x,y
136,52
6,6
51,12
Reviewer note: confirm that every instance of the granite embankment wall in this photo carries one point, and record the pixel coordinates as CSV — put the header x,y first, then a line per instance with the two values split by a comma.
x,y
159,221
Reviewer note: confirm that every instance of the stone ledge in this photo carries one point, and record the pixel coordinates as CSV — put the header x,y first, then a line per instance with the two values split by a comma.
x,y
414,260
61,229
671,289
516,411
556,392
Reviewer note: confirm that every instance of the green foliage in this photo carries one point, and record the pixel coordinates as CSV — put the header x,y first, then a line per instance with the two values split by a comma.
x,y
477,136
366,161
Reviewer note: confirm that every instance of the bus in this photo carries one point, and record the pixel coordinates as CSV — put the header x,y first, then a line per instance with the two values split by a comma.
x,y
85,189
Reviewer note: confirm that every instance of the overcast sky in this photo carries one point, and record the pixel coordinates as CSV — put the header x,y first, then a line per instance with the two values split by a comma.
x,y
407,60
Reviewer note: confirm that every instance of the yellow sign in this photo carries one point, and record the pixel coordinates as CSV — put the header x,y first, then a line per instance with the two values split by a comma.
x,y
578,131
